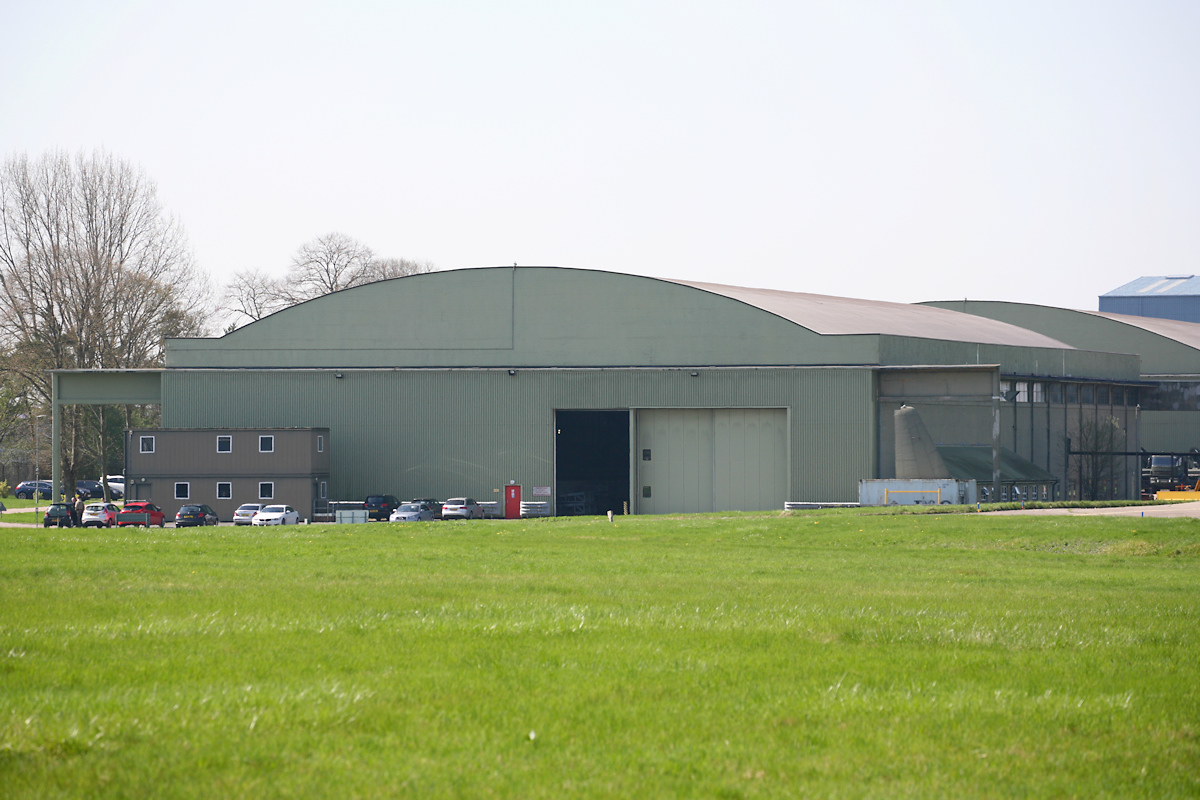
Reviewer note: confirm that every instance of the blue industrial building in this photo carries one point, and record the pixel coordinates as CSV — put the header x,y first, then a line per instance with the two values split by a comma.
x,y
1161,296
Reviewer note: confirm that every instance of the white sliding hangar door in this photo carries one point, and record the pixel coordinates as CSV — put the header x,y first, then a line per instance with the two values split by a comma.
x,y
710,459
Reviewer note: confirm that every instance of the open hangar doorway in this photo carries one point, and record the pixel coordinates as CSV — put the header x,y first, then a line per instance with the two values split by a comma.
x,y
591,461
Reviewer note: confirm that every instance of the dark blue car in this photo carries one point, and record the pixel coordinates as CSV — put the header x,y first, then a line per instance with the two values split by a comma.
x,y
24,490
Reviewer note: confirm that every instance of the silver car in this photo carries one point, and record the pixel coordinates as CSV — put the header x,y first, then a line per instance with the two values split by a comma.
x,y
461,508
245,513
412,512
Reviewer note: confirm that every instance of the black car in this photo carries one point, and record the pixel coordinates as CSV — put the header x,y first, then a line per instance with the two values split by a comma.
x,y
90,489
380,506
60,514
24,490
195,514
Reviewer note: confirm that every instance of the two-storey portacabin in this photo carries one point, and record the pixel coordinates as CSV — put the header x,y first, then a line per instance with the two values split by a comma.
x,y
228,467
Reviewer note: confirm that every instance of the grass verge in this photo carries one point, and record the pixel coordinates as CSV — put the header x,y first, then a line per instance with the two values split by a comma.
x,y
826,655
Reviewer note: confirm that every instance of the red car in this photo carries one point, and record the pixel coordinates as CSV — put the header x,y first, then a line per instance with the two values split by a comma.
x,y
141,512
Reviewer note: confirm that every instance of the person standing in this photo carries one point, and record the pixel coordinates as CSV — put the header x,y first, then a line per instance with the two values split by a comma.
x,y
77,511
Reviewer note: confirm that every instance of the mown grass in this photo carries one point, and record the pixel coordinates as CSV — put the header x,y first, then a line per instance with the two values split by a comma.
x,y
826,655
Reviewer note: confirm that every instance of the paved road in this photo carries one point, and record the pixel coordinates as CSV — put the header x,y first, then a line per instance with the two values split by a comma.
x,y
1191,509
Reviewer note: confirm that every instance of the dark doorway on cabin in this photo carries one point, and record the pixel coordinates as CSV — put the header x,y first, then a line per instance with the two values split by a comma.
x,y
592,461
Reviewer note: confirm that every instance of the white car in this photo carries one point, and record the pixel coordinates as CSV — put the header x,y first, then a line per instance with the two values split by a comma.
x,y
412,512
116,485
101,515
245,513
275,515
461,508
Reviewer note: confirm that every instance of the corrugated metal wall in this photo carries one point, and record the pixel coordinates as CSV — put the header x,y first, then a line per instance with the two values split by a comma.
x,y
470,431
1169,431
719,459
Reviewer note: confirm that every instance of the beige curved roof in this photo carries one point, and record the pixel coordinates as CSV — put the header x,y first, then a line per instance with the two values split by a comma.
x,y
1187,333
844,315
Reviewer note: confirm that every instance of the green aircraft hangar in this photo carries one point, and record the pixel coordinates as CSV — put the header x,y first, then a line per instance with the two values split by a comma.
x,y
598,391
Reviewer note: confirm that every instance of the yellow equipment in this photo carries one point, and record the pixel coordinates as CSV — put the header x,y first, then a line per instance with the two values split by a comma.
x,y
1179,494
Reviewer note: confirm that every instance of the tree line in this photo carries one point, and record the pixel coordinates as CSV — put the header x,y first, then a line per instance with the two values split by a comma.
x,y
96,274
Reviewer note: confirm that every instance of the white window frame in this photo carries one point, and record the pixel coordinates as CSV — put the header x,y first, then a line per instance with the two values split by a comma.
x,y
227,438
320,443
187,490
266,438
324,489
142,444
228,490
270,493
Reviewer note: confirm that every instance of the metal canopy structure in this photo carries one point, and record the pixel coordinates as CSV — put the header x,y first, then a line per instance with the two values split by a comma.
x,y
141,387
974,463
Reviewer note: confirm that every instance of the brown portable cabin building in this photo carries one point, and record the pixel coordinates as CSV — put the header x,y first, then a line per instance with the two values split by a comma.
x,y
227,467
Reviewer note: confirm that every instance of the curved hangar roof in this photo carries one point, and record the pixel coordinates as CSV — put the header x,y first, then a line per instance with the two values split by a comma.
x,y
1166,346
843,316
558,317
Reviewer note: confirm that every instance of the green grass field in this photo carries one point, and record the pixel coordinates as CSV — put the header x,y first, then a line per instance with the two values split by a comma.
x,y
819,655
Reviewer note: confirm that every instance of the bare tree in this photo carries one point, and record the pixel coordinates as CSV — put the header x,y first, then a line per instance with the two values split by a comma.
x,y
382,269
1096,463
324,265
16,427
253,294
95,274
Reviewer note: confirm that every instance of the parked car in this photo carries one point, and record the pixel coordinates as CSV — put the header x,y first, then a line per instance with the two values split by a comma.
x,y
461,508
141,512
276,515
434,505
58,514
116,485
100,515
412,512
89,489
380,506
245,513
24,490
195,514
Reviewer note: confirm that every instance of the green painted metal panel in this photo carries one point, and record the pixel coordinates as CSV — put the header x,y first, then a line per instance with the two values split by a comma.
x,y
110,387
719,459
1081,363
1170,431
751,459
518,317
678,476
430,432
1160,355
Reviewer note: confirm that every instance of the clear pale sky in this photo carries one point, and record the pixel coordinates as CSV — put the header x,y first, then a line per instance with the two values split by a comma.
x,y
1037,151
